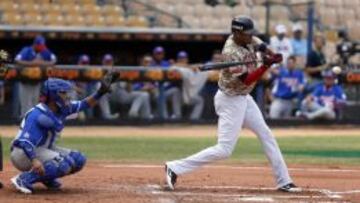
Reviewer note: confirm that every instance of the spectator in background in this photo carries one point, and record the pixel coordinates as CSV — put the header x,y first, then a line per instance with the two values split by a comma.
x,y
37,56
150,87
216,56
345,48
172,93
325,101
193,82
211,88
123,93
281,43
104,102
288,85
299,44
82,88
159,58
316,62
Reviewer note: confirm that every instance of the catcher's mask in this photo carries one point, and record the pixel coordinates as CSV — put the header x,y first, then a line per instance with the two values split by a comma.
x,y
58,91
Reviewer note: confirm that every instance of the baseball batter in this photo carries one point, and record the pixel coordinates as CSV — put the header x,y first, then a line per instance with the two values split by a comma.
x,y
34,152
237,109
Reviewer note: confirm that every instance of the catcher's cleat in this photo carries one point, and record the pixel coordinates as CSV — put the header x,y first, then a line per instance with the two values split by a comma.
x,y
291,187
170,178
21,185
52,184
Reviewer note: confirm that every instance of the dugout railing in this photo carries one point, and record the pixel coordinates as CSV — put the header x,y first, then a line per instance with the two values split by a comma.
x,y
350,79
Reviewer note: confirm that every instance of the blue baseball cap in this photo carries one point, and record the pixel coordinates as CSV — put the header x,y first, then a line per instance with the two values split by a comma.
x,y
158,49
39,40
84,58
328,74
182,54
108,57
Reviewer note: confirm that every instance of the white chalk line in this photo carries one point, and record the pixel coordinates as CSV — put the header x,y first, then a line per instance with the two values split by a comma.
x,y
237,168
326,192
157,190
347,192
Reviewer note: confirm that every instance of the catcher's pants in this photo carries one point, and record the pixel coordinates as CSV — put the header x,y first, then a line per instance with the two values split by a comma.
x,y
22,162
234,112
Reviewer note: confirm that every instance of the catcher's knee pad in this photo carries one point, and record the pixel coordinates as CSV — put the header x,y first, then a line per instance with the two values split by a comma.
x,y
64,167
79,161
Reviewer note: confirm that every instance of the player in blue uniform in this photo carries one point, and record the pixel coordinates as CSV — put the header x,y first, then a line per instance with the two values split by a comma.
x,y
37,56
325,100
288,86
34,152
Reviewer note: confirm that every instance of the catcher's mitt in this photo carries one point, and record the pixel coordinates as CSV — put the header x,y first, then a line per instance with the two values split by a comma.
x,y
109,78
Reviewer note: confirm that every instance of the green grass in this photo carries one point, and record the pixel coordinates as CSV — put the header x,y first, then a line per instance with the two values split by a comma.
x,y
342,150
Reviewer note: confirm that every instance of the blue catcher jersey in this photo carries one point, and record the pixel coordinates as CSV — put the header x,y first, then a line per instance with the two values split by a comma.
x,y
40,127
287,82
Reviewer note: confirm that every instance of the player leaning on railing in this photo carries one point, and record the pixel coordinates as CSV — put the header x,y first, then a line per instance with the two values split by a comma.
x,y
34,152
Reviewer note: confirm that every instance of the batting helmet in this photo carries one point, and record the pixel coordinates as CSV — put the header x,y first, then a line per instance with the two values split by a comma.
x,y
244,24
51,89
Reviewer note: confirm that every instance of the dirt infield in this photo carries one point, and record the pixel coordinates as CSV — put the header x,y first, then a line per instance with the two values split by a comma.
x,y
108,182
104,182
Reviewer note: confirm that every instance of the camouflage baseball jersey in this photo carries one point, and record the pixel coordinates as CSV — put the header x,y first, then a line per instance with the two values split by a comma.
x,y
229,83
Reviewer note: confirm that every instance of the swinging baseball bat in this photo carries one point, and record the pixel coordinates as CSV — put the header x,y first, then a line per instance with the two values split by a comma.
x,y
223,65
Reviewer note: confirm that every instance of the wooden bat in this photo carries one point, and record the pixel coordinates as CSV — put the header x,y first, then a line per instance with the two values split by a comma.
x,y
223,65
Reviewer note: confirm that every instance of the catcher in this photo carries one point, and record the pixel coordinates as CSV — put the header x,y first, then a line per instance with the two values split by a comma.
x,y
34,152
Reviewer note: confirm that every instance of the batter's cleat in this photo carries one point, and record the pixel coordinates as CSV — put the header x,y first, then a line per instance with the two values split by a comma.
x,y
291,187
52,184
21,185
170,178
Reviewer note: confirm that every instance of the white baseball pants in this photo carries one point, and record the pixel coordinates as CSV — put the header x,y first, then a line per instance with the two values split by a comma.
x,y
235,112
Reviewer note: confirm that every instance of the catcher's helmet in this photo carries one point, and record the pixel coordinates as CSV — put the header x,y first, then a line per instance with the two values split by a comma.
x,y
244,24
51,89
